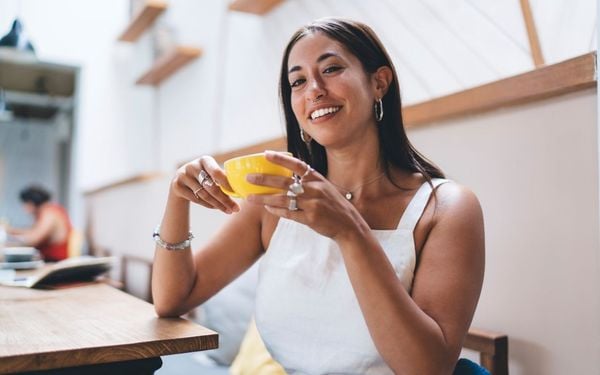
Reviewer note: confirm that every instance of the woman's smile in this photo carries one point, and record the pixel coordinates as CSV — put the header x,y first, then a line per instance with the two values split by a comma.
x,y
323,114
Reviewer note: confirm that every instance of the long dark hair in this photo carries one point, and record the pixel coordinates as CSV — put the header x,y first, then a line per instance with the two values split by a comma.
x,y
360,40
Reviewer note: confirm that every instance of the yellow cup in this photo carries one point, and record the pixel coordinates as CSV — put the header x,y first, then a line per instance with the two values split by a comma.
x,y
238,168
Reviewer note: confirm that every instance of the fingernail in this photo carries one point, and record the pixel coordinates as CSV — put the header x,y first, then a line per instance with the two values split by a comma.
x,y
251,178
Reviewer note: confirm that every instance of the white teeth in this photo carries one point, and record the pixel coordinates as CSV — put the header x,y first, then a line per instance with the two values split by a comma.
x,y
323,111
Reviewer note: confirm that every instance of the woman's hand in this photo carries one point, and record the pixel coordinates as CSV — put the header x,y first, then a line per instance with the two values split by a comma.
x,y
198,181
320,206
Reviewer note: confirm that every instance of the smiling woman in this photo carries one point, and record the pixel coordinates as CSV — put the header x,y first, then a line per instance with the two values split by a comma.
x,y
372,262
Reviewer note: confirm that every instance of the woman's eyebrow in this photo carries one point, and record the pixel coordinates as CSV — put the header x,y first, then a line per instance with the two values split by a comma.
x,y
324,56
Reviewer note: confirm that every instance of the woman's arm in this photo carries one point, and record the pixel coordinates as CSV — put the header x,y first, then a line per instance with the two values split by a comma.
x,y
422,334
182,280
40,232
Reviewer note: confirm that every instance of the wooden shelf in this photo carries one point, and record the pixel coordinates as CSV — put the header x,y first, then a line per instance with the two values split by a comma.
x,y
143,19
168,64
259,7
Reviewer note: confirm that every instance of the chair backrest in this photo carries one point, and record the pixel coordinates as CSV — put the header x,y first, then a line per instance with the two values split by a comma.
x,y
492,348
126,261
75,243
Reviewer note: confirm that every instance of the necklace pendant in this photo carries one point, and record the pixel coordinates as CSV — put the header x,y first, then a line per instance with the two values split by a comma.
x,y
348,196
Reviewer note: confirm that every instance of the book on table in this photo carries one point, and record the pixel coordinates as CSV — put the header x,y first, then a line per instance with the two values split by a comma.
x,y
71,270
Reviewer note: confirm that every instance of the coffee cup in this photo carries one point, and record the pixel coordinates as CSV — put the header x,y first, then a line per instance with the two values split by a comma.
x,y
238,168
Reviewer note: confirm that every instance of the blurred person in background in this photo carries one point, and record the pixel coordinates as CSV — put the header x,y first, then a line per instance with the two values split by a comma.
x,y
51,229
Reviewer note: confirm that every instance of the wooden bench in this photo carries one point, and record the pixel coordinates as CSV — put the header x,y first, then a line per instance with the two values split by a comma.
x,y
492,348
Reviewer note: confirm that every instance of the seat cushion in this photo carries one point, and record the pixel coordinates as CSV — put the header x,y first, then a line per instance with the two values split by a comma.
x,y
468,367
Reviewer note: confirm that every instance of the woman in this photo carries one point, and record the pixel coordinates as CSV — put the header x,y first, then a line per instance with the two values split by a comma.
x,y
52,228
365,270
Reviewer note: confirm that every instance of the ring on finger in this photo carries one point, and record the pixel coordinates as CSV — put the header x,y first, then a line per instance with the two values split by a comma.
x,y
205,179
308,170
293,205
296,187
197,191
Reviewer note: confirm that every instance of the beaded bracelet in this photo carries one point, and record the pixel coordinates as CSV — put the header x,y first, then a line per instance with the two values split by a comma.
x,y
171,246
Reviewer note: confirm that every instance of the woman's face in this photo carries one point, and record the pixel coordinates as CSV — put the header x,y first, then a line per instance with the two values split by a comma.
x,y
332,96
29,208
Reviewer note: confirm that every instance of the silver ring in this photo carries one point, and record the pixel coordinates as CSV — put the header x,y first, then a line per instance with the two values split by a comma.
x,y
197,190
205,179
308,170
293,205
296,187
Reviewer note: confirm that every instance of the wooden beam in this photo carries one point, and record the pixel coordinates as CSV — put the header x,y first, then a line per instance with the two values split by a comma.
x,y
168,64
532,35
557,79
142,20
144,177
258,7
277,144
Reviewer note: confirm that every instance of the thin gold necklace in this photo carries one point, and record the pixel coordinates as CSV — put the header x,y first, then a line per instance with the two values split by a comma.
x,y
350,192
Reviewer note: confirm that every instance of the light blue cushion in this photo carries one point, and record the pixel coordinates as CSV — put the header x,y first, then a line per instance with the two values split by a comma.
x,y
190,364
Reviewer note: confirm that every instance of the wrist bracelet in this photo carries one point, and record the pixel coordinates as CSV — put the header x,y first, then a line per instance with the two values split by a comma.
x,y
171,246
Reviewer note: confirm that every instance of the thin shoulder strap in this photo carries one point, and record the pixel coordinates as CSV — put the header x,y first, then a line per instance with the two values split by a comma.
x,y
415,208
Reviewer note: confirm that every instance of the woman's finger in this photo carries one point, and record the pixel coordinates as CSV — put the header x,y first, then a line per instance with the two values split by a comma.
x,y
274,200
210,165
189,195
199,193
297,166
215,192
286,213
280,182
216,174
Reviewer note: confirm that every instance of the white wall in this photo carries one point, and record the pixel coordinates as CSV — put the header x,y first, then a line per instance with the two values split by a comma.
x,y
535,171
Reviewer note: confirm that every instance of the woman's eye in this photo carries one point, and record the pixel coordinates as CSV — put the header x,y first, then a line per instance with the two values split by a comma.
x,y
297,83
331,69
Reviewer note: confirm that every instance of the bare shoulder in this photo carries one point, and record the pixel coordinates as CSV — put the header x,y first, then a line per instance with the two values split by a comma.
x,y
456,202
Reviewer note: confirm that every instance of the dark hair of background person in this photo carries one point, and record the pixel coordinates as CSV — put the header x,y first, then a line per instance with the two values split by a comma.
x,y
35,194
360,40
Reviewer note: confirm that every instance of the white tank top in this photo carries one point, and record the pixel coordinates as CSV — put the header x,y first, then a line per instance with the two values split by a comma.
x,y
306,310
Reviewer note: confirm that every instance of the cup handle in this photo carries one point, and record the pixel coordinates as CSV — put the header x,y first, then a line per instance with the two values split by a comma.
x,y
229,192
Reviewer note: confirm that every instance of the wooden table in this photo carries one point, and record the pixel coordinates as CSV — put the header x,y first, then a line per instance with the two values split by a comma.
x,y
89,325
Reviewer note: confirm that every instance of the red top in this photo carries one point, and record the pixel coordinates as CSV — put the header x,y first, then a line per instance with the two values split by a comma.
x,y
54,252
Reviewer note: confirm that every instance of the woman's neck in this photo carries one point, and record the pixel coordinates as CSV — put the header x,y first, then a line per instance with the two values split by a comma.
x,y
350,167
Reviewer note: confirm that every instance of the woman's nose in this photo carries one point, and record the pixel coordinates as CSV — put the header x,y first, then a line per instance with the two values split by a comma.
x,y
316,90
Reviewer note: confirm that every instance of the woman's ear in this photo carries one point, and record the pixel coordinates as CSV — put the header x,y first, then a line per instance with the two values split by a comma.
x,y
382,78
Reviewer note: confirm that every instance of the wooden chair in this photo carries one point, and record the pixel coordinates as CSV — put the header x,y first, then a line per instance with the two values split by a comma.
x,y
492,348
75,243
126,261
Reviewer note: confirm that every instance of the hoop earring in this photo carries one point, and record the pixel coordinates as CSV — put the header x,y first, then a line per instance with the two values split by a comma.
x,y
378,107
305,137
